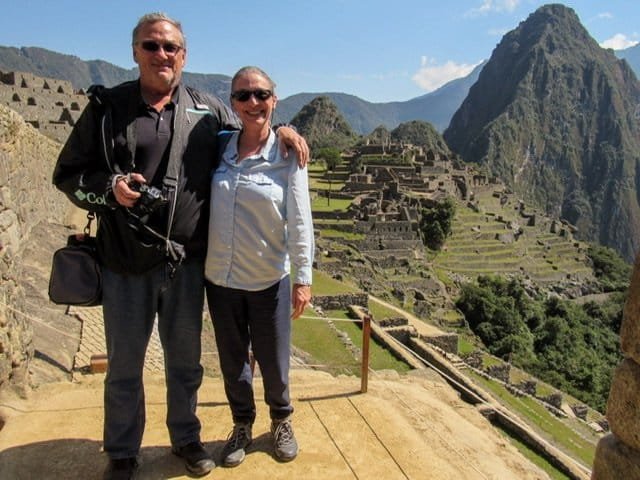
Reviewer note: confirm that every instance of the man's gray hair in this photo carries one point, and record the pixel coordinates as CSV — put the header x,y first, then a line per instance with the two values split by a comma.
x,y
153,18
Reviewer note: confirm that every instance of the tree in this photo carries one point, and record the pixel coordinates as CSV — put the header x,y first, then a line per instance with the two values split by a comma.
x,y
330,156
435,223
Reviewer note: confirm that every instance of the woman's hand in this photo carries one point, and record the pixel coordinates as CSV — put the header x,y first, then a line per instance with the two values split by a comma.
x,y
300,299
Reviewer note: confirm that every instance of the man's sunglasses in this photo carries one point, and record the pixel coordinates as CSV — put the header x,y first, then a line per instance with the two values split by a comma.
x,y
168,47
244,95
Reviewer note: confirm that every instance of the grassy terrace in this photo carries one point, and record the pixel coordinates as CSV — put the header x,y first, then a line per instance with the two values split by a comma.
x,y
579,446
315,336
330,233
327,351
323,284
379,357
317,180
321,204
473,249
380,311
535,458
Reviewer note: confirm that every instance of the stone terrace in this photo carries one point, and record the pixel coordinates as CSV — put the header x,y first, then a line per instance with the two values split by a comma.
x,y
51,106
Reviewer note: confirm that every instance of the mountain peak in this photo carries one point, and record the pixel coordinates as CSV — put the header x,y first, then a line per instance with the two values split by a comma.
x,y
554,115
322,124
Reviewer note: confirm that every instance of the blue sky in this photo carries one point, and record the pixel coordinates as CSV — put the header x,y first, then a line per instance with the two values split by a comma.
x,y
379,50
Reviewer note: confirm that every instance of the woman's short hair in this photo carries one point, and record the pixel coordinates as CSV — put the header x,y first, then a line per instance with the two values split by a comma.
x,y
251,69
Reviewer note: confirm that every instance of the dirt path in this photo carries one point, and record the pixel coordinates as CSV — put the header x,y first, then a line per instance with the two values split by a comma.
x,y
410,427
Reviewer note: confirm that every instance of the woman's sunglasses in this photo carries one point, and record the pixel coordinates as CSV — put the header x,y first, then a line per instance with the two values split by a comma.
x,y
168,47
244,95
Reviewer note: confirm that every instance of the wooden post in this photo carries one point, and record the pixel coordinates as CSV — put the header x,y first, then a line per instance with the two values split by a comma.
x,y
98,363
366,336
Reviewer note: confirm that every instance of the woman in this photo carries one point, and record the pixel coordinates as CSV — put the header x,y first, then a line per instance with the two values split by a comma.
x,y
260,223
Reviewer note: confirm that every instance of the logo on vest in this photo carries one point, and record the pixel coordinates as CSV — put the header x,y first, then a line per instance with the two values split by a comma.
x,y
90,197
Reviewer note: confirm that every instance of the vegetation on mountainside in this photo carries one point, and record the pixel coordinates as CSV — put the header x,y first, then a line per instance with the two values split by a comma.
x,y
573,347
610,269
322,125
418,132
435,223
380,136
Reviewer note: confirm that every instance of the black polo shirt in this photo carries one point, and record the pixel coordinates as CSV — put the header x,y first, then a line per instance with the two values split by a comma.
x,y
154,131
153,140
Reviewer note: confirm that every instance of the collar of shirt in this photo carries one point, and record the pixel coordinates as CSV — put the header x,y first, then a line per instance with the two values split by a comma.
x,y
230,155
144,106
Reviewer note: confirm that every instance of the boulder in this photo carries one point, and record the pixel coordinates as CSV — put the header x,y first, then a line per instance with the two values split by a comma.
x,y
630,330
615,461
623,406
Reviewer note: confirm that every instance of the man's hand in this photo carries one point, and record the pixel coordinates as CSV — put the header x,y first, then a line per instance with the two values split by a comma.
x,y
300,299
288,137
123,194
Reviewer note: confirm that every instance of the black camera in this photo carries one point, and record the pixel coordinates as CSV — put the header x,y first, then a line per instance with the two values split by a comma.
x,y
151,199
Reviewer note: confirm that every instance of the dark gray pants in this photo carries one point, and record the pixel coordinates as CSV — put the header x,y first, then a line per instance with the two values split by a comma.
x,y
130,305
261,320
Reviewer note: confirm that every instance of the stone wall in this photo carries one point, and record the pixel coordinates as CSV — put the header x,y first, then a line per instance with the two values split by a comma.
x,y
340,302
618,453
26,198
448,342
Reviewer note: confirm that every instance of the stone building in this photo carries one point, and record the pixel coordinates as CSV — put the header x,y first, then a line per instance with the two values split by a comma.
x,y
49,105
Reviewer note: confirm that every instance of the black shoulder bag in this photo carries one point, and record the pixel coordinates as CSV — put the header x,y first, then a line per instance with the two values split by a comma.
x,y
76,277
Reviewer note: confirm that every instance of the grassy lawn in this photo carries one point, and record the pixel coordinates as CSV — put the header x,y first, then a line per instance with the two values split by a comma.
x,y
320,204
465,347
317,339
380,311
551,427
489,361
323,284
330,233
379,357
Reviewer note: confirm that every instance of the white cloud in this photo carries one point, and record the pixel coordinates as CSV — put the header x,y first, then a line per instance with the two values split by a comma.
x,y
431,76
607,15
619,42
489,6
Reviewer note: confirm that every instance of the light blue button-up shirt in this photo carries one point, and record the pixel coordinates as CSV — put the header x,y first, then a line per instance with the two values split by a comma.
x,y
260,221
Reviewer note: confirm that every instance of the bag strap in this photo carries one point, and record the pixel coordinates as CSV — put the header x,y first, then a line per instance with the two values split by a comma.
x,y
87,228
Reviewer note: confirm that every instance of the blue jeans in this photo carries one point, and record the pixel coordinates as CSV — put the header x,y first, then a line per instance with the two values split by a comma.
x,y
261,320
130,304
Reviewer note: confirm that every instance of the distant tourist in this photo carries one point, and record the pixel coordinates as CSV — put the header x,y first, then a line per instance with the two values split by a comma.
x,y
152,132
260,223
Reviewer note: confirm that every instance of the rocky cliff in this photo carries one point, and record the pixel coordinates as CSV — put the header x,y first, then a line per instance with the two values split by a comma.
x,y
557,118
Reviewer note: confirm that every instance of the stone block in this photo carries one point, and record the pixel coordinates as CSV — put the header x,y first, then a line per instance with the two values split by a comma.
x,y
623,406
630,330
615,461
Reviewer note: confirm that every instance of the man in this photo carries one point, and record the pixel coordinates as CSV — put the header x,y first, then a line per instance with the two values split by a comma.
x,y
141,156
